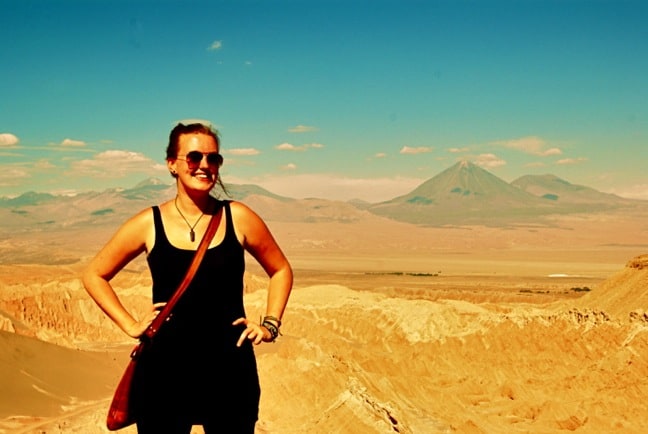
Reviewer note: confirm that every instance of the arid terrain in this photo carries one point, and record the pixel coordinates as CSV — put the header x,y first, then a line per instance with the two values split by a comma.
x,y
391,328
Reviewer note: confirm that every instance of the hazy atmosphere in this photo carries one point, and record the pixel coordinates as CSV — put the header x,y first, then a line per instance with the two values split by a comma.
x,y
460,188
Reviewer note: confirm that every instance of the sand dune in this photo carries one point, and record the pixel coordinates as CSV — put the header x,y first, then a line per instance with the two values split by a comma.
x,y
417,330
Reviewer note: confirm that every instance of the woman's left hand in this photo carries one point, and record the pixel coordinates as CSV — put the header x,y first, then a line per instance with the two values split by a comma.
x,y
253,331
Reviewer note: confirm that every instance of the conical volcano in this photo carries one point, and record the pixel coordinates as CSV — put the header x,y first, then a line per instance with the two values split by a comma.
x,y
464,194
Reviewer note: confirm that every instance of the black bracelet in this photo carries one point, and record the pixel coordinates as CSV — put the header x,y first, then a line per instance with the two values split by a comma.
x,y
272,318
273,329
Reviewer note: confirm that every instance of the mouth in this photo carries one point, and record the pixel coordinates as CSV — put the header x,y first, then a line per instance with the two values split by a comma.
x,y
204,176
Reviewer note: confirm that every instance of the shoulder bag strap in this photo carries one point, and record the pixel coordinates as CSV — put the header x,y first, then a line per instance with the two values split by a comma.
x,y
165,313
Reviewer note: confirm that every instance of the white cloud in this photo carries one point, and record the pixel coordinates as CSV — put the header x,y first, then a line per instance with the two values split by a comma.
x,y
301,148
289,166
70,143
458,150
43,164
116,164
8,139
302,129
414,151
552,151
215,46
287,147
531,145
535,164
488,161
242,151
570,161
380,155
12,176
123,156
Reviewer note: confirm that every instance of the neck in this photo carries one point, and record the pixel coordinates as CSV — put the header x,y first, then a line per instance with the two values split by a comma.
x,y
194,206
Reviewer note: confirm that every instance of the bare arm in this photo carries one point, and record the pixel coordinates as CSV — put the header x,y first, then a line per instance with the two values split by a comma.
x,y
259,242
127,243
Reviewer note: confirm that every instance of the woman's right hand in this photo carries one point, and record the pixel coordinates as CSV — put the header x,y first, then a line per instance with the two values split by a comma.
x,y
137,328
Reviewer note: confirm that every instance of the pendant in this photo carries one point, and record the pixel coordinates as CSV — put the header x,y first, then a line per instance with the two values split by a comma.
x,y
192,235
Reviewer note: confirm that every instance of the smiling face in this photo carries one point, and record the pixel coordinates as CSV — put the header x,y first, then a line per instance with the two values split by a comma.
x,y
193,175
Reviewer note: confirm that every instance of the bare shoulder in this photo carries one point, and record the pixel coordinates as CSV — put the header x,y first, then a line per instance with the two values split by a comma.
x,y
144,218
137,229
241,211
246,221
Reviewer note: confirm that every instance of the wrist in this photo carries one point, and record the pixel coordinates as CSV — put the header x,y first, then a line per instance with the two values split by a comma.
x,y
271,324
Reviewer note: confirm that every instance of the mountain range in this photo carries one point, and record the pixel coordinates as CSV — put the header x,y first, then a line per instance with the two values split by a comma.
x,y
463,194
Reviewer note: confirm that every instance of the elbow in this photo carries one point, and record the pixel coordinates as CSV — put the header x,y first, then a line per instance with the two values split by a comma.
x,y
91,279
285,273
289,275
287,269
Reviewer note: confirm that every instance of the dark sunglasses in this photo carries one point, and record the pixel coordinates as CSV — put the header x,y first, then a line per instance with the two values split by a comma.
x,y
194,158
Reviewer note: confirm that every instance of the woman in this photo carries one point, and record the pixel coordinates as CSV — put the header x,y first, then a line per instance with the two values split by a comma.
x,y
201,368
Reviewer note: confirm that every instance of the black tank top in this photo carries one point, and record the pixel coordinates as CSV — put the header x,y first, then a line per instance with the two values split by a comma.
x,y
215,296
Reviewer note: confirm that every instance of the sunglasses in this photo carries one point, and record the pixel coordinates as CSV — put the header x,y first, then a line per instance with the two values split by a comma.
x,y
194,158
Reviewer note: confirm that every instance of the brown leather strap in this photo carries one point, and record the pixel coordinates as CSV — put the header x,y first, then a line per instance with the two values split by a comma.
x,y
165,313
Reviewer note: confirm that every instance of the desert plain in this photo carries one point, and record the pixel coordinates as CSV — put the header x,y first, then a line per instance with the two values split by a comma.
x,y
391,328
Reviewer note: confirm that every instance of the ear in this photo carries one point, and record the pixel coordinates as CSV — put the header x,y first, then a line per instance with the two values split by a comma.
x,y
171,165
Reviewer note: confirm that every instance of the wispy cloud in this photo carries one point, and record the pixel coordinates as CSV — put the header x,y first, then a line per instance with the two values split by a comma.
x,y
531,145
43,164
289,147
242,151
380,155
418,150
301,148
8,140
70,143
11,175
289,166
214,46
302,129
116,164
124,156
488,161
570,161
458,150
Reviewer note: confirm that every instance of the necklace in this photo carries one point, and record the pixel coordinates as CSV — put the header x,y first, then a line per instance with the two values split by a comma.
x,y
192,234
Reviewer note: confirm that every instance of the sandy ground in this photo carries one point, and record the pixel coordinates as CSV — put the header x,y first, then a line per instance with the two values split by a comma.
x,y
389,329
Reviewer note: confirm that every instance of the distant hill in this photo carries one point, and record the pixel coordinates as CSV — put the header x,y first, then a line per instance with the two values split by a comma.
x,y
553,188
111,207
29,198
241,191
463,194
467,194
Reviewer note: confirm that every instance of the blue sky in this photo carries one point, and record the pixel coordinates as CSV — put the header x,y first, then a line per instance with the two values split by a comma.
x,y
331,99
